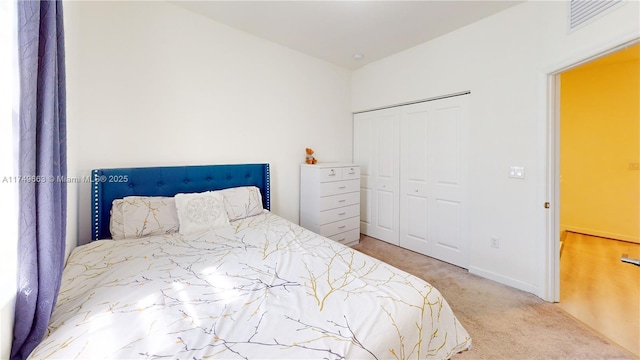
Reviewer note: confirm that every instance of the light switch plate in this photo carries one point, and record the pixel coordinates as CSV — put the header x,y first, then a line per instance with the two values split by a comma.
x,y
516,172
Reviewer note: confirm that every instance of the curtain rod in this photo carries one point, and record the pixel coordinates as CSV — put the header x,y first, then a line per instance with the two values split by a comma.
x,y
415,102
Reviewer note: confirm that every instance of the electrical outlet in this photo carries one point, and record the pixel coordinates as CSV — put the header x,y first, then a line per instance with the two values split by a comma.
x,y
495,242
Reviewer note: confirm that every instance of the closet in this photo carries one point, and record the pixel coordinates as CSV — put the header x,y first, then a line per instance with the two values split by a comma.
x,y
414,187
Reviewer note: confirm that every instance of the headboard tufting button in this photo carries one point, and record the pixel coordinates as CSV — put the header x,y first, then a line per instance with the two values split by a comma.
x,y
186,181
160,183
130,185
208,178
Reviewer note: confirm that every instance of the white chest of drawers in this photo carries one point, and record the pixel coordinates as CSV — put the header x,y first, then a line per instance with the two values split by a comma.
x,y
330,201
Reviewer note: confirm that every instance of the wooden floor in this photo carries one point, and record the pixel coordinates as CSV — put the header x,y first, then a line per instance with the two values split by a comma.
x,y
600,290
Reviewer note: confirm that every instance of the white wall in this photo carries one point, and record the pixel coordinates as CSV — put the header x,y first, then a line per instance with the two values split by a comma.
x,y
501,60
151,83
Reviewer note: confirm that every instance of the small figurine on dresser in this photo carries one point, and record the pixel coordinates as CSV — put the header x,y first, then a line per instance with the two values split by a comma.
x,y
310,159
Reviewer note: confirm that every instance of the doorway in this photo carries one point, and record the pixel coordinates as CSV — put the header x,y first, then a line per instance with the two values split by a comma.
x,y
597,210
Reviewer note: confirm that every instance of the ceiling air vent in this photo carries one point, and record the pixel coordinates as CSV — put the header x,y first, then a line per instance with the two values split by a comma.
x,y
584,11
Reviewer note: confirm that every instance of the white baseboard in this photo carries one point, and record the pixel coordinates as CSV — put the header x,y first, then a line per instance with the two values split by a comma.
x,y
506,281
598,233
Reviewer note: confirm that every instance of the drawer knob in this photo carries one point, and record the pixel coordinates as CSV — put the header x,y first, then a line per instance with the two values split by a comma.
x,y
342,187
342,214
342,227
341,201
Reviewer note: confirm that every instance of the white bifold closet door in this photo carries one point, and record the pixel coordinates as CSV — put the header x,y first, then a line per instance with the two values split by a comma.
x,y
376,150
430,143
433,184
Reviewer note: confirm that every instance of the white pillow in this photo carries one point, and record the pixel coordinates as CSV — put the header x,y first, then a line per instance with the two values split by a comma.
x,y
242,202
116,220
149,215
140,216
201,211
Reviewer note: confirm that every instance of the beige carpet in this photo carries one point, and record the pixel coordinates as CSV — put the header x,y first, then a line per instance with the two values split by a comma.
x,y
504,323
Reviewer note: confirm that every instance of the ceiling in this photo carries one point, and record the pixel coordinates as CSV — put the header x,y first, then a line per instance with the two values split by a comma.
x,y
337,30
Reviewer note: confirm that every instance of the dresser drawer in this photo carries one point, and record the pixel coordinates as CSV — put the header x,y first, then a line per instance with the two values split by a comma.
x,y
340,226
339,173
347,237
339,187
334,201
330,174
329,216
351,172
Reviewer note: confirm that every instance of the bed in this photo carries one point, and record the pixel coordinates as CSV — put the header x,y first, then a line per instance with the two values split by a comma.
x,y
256,287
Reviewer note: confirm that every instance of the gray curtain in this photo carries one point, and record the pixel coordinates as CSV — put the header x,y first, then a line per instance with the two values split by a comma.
x,y
42,166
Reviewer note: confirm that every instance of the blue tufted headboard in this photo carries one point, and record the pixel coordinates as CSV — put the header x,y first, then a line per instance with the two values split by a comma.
x,y
111,184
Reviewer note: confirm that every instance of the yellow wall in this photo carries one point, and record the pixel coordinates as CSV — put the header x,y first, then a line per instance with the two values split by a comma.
x,y
600,148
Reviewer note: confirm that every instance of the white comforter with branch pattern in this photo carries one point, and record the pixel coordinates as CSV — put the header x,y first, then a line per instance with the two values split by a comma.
x,y
262,288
